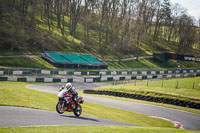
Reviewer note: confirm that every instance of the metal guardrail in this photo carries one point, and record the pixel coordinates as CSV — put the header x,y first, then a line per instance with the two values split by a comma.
x,y
139,77
36,79
28,72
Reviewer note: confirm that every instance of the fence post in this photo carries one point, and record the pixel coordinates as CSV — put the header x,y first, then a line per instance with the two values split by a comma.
x,y
193,85
113,82
177,85
27,71
8,72
147,83
135,82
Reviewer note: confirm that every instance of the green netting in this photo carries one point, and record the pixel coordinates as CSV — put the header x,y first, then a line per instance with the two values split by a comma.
x,y
74,58
57,57
91,59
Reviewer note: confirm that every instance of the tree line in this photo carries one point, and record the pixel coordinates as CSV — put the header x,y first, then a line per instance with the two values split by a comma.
x,y
120,26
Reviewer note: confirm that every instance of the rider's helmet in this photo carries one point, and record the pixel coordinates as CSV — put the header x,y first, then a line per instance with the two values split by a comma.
x,y
68,86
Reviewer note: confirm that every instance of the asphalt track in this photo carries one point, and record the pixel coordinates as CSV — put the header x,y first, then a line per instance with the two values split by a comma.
x,y
22,117
188,120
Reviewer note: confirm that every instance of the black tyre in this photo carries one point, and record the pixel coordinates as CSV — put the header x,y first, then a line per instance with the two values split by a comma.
x,y
59,108
78,110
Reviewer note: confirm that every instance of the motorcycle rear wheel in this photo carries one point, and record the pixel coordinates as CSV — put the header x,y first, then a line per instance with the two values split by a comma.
x,y
59,108
78,110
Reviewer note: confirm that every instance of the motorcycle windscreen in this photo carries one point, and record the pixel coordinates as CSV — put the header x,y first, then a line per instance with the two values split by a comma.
x,y
62,93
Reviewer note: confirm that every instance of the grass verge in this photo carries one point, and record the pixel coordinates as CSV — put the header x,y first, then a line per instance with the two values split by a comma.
x,y
35,62
16,94
146,102
187,89
92,129
149,64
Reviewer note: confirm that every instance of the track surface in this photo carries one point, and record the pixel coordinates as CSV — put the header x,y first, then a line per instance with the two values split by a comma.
x,y
188,120
19,116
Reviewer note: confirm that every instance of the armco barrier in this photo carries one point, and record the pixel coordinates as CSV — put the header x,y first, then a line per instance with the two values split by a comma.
x,y
16,71
37,79
146,98
138,77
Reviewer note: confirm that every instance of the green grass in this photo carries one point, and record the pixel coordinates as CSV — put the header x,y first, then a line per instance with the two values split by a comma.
x,y
16,94
133,64
142,64
183,64
184,91
91,129
197,111
35,62
149,64
33,50
176,84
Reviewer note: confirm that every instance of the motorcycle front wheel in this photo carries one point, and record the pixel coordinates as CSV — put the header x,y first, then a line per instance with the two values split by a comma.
x,y
59,107
78,110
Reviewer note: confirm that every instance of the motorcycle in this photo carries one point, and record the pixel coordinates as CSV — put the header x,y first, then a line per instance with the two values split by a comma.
x,y
69,104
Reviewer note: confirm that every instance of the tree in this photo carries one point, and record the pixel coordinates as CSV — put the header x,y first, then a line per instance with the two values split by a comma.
x,y
86,18
104,16
48,6
158,22
23,6
74,6
176,12
186,34
140,27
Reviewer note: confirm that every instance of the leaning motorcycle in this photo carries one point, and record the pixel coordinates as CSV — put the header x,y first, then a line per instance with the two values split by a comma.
x,y
67,103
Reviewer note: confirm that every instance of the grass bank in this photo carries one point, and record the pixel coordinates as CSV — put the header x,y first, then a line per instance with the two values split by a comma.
x,y
149,64
182,89
35,62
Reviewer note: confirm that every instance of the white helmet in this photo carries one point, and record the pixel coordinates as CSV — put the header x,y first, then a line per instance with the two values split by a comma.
x,y
68,86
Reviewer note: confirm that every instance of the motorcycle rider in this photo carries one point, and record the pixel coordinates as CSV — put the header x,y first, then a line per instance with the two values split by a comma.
x,y
68,88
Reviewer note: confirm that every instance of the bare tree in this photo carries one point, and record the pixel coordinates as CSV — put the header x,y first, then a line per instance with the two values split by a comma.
x,y
48,10
74,6
23,6
186,34
140,27
177,11
88,7
157,22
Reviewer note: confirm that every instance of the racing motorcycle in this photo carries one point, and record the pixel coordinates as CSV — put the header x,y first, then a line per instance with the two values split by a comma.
x,y
67,103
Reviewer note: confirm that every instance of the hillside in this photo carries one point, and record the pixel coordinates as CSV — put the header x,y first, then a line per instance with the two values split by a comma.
x,y
31,27
40,39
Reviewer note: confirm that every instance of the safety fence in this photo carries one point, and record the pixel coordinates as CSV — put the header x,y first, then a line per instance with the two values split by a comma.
x,y
92,76
27,72
139,77
36,79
